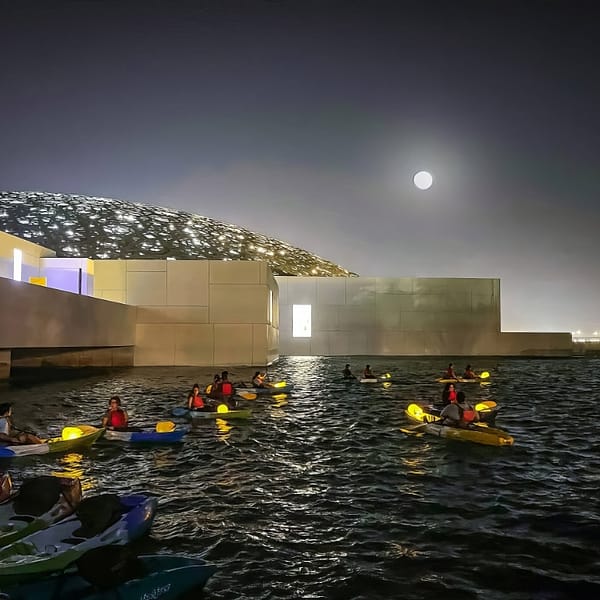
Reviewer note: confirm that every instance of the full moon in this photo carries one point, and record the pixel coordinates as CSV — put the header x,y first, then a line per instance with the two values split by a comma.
x,y
423,180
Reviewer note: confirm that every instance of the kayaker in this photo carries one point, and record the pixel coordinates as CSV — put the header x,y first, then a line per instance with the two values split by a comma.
x,y
258,381
449,394
468,414
9,435
225,390
469,373
211,388
195,400
449,372
367,373
460,413
347,372
116,417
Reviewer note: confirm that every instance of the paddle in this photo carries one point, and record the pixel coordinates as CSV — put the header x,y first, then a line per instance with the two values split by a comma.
x,y
413,428
165,427
485,405
247,395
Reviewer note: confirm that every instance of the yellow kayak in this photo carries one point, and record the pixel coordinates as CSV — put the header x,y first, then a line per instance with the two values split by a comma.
x,y
479,434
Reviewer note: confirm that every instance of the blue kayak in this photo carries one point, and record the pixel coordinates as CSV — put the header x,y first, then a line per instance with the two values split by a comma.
x,y
162,576
180,411
98,521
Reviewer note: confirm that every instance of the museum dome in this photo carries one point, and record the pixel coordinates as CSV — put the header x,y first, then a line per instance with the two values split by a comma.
x,y
105,228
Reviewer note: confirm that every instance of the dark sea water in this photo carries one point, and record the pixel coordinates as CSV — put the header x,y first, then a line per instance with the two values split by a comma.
x,y
320,495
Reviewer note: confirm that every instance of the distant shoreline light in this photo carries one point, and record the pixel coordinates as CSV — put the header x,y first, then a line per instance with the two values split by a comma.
x,y
423,180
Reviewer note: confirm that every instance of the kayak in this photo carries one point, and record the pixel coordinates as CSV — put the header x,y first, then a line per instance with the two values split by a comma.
x,y
161,576
266,391
376,380
146,436
480,434
180,411
76,436
461,380
98,521
39,503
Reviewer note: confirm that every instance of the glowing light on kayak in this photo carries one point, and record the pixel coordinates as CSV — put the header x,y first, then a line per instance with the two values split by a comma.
x,y
279,384
222,408
71,433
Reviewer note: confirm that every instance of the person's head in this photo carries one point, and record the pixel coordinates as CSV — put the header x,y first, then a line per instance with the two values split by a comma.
x,y
5,409
460,397
224,375
256,375
216,378
347,365
451,387
450,365
114,402
468,367
368,367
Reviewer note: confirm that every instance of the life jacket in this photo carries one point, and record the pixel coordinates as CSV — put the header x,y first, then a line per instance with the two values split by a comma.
x,y
451,396
449,374
467,415
197,402
226,388
116,418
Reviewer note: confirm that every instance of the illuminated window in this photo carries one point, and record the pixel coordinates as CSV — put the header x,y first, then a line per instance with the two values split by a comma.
x,y
270,320
301,323
17,264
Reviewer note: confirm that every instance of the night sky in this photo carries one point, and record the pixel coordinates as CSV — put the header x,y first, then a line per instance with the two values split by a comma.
x,y
305,120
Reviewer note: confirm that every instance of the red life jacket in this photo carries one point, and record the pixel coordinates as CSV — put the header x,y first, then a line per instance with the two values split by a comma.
x,y
449,374
451,395
466,415
116,418
226,388
197,402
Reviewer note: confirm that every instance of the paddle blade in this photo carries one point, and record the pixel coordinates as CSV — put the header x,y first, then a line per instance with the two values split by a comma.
x,y
247,395
484,375
165,427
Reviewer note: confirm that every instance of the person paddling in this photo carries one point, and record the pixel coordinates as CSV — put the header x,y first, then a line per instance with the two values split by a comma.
x,y
225,390
195,400
459,414
449,394
449,372
8,434
116,417
347,372
367,373
469,373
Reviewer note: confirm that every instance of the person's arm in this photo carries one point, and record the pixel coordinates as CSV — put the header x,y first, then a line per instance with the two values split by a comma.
x,y
105,420
126,417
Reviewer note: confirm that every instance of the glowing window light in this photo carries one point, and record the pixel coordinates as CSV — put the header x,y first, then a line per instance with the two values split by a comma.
x,y
270,319
17,264
301,320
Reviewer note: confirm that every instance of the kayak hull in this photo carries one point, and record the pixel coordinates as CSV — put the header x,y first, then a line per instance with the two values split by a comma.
x,y
89,435
57,547
146,437
14,524
162,576
478,434
204,415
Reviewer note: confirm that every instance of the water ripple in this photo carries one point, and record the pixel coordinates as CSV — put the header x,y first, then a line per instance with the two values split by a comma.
x,y
320,495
